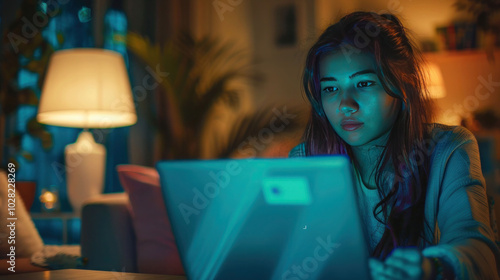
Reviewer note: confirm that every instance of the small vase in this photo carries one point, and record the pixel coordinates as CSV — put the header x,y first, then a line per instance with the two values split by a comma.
x,y
26,190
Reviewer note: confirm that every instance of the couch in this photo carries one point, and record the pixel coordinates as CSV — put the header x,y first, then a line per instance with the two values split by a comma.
x,y
130,231
107,234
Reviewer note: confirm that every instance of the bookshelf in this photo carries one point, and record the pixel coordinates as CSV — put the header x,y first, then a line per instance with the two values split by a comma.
x,y
462,54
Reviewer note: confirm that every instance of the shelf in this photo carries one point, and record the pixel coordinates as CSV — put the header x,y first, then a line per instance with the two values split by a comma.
x,y
454,54
48,223
54,215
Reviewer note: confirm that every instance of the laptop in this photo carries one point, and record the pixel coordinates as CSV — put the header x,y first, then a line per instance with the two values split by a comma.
x,y
293,218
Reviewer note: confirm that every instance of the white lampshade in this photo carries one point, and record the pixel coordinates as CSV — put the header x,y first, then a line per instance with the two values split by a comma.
x,y
87,88
434,80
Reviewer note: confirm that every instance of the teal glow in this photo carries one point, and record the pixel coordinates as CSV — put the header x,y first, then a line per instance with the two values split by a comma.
x,y
286,190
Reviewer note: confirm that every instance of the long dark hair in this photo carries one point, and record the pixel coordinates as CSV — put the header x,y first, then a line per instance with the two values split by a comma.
x,y
399,70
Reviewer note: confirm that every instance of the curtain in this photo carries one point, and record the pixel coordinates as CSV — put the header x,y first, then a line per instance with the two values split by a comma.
x,y
69,26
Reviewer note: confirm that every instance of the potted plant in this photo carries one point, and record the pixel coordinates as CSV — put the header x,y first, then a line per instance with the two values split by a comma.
x,y
30,53
200,73
23,53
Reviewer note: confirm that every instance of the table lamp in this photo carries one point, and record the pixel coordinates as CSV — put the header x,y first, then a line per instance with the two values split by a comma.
x,y
86,88
434,81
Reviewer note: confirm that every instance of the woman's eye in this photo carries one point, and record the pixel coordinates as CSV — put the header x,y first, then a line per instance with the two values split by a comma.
x,y
365,84
330,89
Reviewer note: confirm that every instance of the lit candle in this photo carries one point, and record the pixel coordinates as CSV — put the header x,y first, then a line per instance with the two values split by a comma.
x,y
49,199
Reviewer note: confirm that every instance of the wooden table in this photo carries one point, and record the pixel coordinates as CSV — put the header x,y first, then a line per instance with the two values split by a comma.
x,y
83,274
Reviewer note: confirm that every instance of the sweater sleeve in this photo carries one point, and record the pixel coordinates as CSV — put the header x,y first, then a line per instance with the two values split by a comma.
x,y
466,240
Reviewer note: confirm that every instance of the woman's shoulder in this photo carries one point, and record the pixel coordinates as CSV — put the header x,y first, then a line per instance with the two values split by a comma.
x,y
298,151
450,136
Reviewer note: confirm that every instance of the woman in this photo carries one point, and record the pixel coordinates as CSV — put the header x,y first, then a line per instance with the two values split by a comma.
x,y
420,188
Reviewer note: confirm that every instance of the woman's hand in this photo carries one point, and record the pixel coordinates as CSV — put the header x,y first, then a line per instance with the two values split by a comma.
x,y
403,263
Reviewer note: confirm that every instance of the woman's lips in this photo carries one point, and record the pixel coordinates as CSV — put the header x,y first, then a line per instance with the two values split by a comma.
x,y
350,125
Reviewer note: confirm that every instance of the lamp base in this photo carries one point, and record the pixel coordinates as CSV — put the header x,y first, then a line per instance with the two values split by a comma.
x,y
85,165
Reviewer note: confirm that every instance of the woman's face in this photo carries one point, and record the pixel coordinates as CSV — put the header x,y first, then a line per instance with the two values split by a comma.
x,y
355,103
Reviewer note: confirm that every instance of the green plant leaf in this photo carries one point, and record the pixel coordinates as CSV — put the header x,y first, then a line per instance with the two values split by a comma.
x,y
251,126
28,96
14,141
60,38
15,162
39,130
46,138
27,155
200,73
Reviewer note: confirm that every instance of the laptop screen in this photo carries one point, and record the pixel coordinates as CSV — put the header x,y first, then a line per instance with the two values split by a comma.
x,y
291,218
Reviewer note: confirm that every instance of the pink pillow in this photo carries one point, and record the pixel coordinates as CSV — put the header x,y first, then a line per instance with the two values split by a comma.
x,y
156,249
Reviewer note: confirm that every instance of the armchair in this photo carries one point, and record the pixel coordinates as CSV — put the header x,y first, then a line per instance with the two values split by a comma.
x,y
107,235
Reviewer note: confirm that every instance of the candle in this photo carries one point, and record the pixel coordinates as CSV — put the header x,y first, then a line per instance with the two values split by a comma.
x,y
49,200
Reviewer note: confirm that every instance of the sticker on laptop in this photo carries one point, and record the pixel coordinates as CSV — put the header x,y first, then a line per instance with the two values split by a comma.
x,y
287,190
